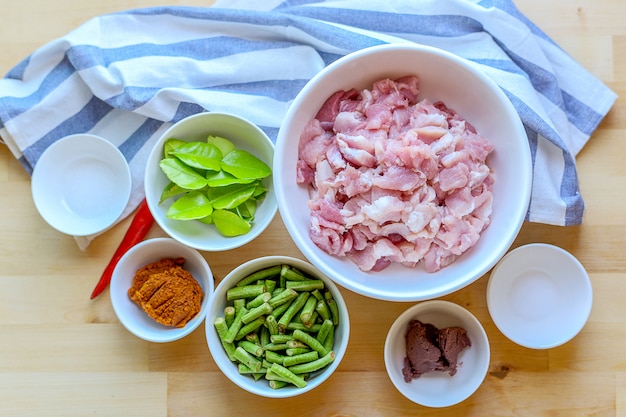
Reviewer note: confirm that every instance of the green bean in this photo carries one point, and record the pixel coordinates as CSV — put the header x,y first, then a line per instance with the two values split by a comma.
x,y
260,274
290,273
270,285
258,300
272,325
250,327
247,291
305,285
274,357
275,346
327,328
229,315
313,365
332,305
329,341
280,338
277,384
307,311
234,328
310,341
247,359
264,336
288,375
251,348
297,351
324,311
281,298
256,312
299,359
300,326
294,307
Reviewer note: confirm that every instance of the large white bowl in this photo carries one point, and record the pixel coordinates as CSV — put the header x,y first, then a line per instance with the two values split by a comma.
x,y
244,135
261,387
130,314
439,389
461,86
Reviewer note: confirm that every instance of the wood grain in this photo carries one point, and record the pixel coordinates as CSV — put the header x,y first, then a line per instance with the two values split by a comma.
x,y
64,355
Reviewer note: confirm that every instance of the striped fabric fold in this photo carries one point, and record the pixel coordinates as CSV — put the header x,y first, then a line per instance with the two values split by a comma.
x,y
128,76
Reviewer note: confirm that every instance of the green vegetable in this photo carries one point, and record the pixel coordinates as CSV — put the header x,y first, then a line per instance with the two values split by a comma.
x,y
193,205
230,224
243,164
213,182
199,155
224,145
272,331
182,175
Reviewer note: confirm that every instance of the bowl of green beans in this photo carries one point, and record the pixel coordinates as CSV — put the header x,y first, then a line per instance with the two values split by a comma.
x,y
277,327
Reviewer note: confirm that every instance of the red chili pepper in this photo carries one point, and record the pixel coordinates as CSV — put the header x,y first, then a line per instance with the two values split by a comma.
x,y
137,230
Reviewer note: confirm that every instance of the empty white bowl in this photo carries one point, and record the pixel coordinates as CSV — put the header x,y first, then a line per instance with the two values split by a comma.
x,y
539,296
81,184
461,86
244,135
229,368
130,314
439,389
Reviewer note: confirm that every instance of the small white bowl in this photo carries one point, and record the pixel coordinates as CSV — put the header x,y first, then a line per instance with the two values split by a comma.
x,y
245,135
130,314
439,389
261,387
539,296
461,86
81,184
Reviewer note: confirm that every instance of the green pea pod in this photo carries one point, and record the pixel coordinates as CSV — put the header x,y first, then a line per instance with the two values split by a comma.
x,y
171,190
193,205
221,179
224,145
170,145
181,174
230,196
230,224
199,155
243,164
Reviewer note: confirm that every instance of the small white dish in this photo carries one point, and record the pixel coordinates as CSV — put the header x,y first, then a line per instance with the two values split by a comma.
x,y
132,317
439,389
539,296
81,184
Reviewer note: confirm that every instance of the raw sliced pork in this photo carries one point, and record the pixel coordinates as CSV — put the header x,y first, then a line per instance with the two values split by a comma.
x,y
393,179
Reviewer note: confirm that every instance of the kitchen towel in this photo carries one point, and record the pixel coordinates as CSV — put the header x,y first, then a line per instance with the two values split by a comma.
x,y
128,76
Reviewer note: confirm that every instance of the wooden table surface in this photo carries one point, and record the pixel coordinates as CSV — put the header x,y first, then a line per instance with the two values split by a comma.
x,y
62,354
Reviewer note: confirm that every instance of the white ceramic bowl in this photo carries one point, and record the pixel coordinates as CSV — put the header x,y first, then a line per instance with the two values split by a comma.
x,y
81,184
261,387
130,314
460,86
439,389
539,296
244,135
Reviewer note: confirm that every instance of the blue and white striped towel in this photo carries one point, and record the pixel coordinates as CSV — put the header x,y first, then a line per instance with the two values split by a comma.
x,y
128,76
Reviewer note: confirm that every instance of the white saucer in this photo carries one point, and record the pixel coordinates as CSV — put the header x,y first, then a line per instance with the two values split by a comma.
x,y
81,184
539,296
